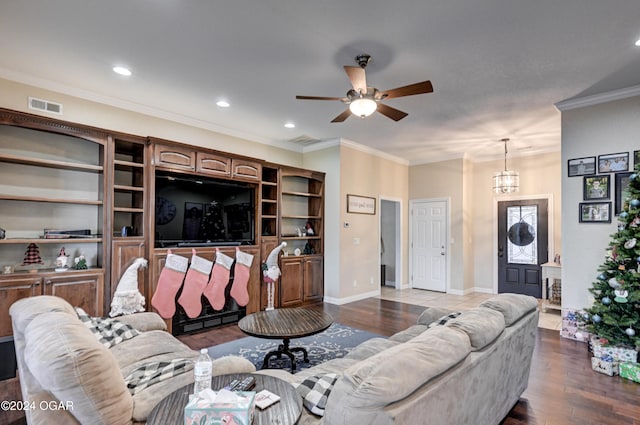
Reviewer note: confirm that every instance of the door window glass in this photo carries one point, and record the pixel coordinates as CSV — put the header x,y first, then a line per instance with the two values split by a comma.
x,y
522,241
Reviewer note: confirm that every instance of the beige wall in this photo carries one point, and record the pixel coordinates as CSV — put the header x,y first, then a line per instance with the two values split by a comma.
x,y
540,176
591,131
365,174
15,96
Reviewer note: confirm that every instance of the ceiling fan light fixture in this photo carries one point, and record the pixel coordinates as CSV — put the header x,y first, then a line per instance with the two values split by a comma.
x,y
363,107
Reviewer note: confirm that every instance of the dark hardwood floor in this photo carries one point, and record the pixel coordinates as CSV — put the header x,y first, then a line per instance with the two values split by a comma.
x,y
563,390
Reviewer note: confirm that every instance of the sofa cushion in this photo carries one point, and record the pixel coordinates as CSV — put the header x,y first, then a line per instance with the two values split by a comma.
x,y
409,333
512,306
431,314
149,347
370,347
444,319
395,373
481,324
315,391
71,364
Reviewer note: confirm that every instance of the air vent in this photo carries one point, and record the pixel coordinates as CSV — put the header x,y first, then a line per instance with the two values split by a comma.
x,y
304,140
45,106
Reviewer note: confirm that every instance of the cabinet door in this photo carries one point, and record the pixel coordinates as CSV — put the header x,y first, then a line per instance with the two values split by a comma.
x,y
82,290
13,289
123,254
291,281
246,169
313,279
174,157
217,165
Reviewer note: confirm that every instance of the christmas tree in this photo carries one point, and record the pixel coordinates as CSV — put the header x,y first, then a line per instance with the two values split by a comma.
x,y
615,314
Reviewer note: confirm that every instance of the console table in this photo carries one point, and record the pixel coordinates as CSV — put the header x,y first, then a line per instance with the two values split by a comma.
x,y
550,272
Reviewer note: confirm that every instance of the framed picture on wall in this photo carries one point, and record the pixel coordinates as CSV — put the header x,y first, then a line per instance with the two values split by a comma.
x,y
582,166
361,204
595,212
595,187
622,190
613,162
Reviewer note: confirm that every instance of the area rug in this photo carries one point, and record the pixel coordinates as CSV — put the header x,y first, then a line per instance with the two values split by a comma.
x,y
336,341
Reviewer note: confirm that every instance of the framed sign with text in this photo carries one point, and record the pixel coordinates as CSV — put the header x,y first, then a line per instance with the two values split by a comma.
x,y
361,204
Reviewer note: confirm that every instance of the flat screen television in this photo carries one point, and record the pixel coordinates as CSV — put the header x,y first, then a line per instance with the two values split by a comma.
x,y
200,211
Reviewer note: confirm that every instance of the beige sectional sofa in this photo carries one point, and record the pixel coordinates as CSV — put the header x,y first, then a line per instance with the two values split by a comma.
x,y
61,363
469,371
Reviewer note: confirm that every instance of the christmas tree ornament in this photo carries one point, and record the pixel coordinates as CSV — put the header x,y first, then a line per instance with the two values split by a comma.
x,y
621,267
630,243
606,300
629,331
596,318
634,203
624,214
585,316
621,296
604,277
613,282
621,227
633,176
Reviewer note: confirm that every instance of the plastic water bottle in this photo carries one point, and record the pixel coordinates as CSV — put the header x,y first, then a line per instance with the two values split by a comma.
x,y
202,371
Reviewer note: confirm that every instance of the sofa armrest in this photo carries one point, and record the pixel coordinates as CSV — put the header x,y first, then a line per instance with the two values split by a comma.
x,y
147,321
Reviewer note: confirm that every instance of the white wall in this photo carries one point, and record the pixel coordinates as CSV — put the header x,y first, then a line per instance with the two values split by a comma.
x,y
590,131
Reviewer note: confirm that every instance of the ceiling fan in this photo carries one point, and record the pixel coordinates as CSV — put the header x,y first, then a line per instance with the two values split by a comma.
x,y
364,100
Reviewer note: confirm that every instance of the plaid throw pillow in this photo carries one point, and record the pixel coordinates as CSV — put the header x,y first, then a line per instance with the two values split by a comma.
x,y
444,319
108,331
150,373
315,391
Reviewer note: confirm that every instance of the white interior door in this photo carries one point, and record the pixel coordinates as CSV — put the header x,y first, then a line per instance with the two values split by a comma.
x,y
428,245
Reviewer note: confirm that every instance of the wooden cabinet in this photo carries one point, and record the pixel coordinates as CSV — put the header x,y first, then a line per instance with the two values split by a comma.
x,y
174,157
302,280
247,170
213,164
129,186
81,288
125,250
269,202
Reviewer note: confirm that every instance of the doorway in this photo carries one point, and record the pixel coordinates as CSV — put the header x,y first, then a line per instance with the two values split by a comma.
x,y
523,245
390,242
429,256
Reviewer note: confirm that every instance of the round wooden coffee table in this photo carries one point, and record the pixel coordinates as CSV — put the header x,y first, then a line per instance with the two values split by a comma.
x,y
170,411
285,324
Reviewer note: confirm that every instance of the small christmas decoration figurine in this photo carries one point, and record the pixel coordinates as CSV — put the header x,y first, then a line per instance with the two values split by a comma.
x,y
310,231
61,261
32,255
81,262
271,273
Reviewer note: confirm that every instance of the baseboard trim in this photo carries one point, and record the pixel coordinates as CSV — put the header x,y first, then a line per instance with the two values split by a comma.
x,y
346,300
483,290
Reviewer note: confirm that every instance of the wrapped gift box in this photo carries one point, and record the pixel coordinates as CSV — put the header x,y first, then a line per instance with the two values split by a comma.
x,y
573,326
601,348
219,408
630,371
605,365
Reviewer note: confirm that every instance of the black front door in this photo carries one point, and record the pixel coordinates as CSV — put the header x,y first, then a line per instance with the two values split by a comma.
x,y
522,245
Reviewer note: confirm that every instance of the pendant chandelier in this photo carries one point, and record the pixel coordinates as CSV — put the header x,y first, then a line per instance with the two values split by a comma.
x,y
507,181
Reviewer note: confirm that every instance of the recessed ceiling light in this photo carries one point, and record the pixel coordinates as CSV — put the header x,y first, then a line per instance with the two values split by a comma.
x,y
638,43
121,70
223,104
290,125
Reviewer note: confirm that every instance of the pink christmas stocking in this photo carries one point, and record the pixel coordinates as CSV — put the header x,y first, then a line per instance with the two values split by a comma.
x,y
169,282
241,278
219,280
194,284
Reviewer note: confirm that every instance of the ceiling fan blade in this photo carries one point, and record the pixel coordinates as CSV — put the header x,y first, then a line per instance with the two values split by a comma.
x,y
357,77
417,88
393,113
317,98
343,116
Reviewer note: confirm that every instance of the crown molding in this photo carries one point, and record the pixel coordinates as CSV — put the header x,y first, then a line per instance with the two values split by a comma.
x,y
596,99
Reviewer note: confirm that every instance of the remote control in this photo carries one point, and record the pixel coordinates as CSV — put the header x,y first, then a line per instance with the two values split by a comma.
x,y
232,385
246,384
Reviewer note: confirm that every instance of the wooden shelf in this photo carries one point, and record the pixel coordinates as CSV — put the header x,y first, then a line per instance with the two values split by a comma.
x,y
269,201
291,238
119,162
122,188
65,241
50,163
309,195
52,200
302,217
128,210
